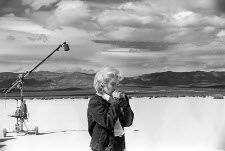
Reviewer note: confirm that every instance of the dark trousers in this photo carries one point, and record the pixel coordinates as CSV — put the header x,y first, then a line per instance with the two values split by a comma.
x,y
118,145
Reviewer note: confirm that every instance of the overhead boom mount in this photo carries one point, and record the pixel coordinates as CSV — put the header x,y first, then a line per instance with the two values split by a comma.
x,y
21,77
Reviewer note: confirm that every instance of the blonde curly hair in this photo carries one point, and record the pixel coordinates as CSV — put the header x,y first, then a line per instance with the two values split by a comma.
x,y
103,76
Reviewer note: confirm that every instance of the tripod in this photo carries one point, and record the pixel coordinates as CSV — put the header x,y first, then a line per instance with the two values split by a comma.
x,y
21,113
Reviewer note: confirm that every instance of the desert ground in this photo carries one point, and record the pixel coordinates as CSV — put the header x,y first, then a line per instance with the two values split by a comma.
x,y
160,124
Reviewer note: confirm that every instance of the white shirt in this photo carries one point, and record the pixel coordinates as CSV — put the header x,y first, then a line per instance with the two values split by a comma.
x,y
118,129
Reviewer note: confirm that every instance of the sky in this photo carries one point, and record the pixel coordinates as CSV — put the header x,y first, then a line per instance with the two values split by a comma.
x,y
135,36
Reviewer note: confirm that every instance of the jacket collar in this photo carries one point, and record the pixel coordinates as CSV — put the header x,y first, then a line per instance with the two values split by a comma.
x,y
104,96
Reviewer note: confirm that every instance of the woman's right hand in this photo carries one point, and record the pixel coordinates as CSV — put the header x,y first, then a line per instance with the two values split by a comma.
x,y
118,95
113,100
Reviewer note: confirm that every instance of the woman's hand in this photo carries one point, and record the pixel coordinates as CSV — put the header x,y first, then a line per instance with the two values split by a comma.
x,y
121,97
118,95
113,100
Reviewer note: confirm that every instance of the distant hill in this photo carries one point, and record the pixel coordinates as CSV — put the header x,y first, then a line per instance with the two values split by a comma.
x,y
196,79
44,80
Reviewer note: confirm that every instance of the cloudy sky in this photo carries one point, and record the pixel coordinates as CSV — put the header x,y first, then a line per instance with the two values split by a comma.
x,y
136,36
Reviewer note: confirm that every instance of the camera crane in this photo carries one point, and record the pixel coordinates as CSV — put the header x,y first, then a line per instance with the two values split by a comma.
x,y
21,113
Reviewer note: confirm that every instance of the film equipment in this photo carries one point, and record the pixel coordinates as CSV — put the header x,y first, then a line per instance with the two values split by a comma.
x,y
21,113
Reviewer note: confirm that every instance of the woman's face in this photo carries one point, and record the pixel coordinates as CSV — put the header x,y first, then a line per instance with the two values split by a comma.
x,y
110,87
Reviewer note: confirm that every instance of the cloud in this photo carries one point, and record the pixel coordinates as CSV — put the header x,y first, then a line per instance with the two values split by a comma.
x,y
24,28
122,18
161,20
121,33
10,38
38,37
11,6
178,5
149,46
15,42
18,32
215,66
156,15
76,69
219,5
68,12
128,50
221,33
56,63
208,29
109,1
131,15
11,22
185,18
123,52
216,21
196,36
155,21
65,13
138,7
37,4
200,4
135,35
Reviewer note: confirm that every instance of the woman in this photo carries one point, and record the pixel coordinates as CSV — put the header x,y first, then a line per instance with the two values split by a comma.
x,y
108,112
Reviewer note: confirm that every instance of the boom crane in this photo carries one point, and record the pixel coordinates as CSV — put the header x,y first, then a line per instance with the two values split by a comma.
x,y
21,112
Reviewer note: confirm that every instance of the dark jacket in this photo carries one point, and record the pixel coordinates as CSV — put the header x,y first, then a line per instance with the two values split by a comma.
x,y
102,116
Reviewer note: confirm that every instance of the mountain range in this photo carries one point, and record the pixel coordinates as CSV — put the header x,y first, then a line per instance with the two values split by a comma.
x,y
44,80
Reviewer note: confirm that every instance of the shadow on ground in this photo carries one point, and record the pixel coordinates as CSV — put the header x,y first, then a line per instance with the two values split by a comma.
x,y
33,133
5,139
2,146
63,131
